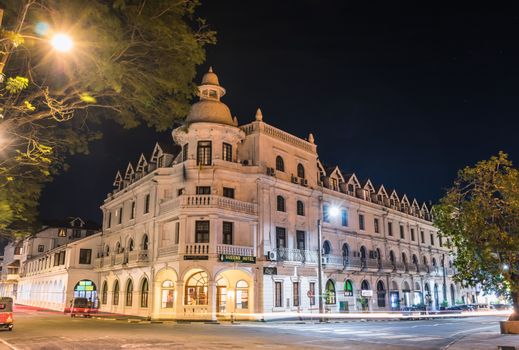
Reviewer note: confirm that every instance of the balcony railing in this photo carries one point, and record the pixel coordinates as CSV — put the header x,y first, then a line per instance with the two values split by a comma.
x,y
197,249
371,264
138,256
296,255
234,250
399,266
423,269
208,201
385,265
120,258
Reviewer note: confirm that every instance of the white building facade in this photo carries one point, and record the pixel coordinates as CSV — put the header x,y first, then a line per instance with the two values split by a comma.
x,y
54,265
223,222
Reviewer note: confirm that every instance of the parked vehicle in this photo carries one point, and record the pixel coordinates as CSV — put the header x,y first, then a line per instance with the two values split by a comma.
x,y
82,307
6,313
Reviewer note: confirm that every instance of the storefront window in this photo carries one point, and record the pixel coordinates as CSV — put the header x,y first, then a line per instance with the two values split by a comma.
x,y
168,292
330,297
242,295
196,289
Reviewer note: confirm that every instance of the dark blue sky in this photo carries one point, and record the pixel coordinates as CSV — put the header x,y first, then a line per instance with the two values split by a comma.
x,y
401,94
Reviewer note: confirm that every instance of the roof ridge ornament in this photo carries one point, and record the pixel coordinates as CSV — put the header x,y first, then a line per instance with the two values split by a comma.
x,y
311,138
259,115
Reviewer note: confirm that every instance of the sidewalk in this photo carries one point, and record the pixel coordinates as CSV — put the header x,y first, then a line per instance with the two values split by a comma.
x,y
484,341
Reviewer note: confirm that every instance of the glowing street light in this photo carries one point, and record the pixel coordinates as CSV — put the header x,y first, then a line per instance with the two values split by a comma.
x,y
62,42
333,211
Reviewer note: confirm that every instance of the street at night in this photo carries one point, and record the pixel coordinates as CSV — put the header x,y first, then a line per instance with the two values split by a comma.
x,y
52,330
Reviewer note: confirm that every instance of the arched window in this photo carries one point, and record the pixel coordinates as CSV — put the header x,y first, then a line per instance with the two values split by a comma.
x,y
453,295
327,247
363,252
415,259
281,203
129,293
115,299
300,171
404,258
300,208
425,260
144,293
364,285
118,248
130,245
329,293
145,244
379,255
107,250
196,289
348,288
104,293
280,164
345,250
434,262
242,295
168,293
392,256
381,294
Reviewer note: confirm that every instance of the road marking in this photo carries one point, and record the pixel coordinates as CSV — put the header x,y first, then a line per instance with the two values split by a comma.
x,y
8,344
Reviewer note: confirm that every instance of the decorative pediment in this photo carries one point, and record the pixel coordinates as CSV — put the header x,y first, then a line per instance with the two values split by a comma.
x,y
129,172
141,165
369,186
156,154
352,180
404,201
382,192
337,174
77,222
415,206
118,179
320,168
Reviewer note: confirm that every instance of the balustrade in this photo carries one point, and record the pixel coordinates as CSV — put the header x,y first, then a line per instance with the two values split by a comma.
x,y
197,249
234,250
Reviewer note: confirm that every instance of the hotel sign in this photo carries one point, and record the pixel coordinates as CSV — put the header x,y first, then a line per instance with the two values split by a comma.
x,y
237,258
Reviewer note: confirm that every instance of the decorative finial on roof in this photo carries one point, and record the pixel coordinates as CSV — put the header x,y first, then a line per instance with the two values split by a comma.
x,y
210,69
259,115
235,120
311,138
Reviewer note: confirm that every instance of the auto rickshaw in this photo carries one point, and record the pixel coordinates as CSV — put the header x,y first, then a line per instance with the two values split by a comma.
x,y
6,313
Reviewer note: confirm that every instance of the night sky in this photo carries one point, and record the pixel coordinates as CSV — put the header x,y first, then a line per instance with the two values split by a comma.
x,y
402,95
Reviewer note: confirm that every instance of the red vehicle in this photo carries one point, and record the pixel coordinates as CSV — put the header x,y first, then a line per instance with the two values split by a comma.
x,y
6,313
82,307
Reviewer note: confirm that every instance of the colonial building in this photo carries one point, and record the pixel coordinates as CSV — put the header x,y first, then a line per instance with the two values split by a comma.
x,y
223,221
50,267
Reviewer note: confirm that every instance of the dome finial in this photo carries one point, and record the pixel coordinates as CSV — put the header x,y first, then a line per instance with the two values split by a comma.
x,y
259,115
210,69
311,138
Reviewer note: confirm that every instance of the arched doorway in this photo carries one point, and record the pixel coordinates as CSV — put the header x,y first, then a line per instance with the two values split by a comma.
x,y
418,298
196,289
365,293
406,294
329,294
234,293
394,296
86,289
428,296
381,294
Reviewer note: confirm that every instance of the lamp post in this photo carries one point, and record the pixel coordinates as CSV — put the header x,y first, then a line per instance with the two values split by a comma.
x,y
331,213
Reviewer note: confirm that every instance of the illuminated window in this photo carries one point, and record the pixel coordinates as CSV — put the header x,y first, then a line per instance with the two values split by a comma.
x,y
227,152
242,295
115,298
204,153
227,232
202,231
129,293
168,294
196,289
344,217
62,232
144,293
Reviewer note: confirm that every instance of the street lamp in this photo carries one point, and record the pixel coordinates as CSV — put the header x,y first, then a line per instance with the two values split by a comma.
x,y
62,42
332,212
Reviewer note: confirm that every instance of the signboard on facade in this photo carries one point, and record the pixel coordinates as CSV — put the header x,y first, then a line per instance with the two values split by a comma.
x,y
196,257
270,270
237,258
366,293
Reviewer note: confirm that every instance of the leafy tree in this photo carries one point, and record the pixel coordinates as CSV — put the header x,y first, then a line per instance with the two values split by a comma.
x,y
132,61
480,213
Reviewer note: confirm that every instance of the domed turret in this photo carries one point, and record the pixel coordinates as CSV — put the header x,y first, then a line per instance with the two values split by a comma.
x,y
210,109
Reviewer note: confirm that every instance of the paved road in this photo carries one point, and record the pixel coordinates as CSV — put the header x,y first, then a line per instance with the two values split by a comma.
x,y
48,330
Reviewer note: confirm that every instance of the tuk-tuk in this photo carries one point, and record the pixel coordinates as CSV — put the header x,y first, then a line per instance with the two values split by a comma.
x,y
6,313
82,307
